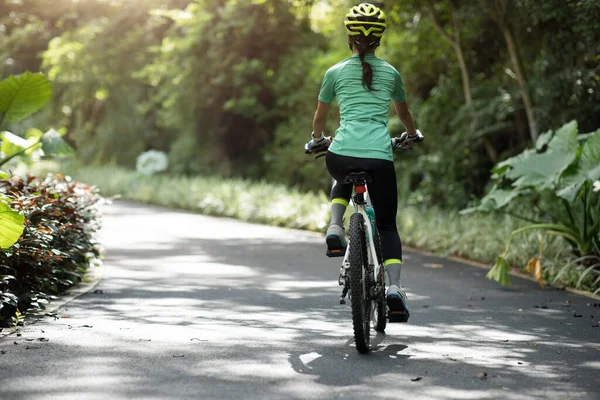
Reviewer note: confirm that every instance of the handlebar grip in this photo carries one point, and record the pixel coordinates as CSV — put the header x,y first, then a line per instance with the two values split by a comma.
x,y
318,149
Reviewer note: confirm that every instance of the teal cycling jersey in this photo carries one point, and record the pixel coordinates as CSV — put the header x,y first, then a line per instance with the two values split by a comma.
x,y
364,113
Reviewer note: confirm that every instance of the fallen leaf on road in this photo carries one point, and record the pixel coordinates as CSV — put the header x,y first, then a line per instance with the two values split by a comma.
x,y
2,352
43,339
482,375
86,326
417,379
179,356
199,340
64,316
427,265
534,267
98,291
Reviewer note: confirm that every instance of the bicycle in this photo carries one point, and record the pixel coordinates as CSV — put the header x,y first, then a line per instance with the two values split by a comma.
x,y
362,273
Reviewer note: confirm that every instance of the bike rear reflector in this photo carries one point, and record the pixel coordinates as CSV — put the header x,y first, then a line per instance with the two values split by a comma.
x,y
360,189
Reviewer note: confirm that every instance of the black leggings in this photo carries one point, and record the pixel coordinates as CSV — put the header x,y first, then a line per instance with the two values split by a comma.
x,y
383,193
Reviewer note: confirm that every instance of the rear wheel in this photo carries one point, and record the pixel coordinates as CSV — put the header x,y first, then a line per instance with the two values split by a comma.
x,y
379,303
359,285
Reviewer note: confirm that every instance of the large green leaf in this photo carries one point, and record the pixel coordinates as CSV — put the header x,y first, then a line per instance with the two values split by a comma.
x,y
565,139
531,169
586,169
12,143
590,157
54,145
11,226
23,95
541,171
543,140
494,200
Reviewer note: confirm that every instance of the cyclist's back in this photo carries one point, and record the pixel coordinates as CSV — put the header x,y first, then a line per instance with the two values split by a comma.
x,y
364,113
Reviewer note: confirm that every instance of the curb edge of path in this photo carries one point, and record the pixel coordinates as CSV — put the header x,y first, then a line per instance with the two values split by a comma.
x,y
511,272
91,279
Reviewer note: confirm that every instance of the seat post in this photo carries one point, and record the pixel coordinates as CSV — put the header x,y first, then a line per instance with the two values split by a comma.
x,y
360,189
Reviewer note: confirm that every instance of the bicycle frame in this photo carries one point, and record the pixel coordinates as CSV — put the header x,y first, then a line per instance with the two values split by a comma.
x,y
361,208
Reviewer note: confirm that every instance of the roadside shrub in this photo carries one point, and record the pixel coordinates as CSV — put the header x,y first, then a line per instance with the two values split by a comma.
x,y
557,176
57,245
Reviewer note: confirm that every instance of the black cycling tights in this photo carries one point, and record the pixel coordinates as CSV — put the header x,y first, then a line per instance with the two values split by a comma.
x,y
383,192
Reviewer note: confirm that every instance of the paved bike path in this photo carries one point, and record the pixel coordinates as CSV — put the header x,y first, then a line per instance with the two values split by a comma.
x,y
194,307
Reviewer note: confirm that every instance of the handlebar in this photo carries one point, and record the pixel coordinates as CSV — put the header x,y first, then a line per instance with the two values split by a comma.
x,y
321,149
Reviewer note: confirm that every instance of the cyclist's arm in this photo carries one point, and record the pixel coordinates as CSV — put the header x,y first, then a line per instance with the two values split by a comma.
x,y
320,118
405,116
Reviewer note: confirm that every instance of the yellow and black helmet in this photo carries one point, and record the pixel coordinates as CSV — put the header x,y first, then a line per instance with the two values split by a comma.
x,y
365,20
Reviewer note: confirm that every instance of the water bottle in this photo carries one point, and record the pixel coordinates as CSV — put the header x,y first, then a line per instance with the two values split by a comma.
x,y
371,214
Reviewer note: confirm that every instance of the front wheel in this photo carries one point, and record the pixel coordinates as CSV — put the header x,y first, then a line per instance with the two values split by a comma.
x,y
359,285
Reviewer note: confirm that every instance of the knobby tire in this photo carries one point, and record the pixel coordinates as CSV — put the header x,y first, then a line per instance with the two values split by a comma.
x,y
361,305
379,306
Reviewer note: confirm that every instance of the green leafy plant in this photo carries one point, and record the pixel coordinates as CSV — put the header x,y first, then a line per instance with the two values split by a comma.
x,y
558,176
57,245
21,96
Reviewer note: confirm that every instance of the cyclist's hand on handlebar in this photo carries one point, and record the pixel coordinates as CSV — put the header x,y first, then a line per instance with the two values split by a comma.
x,y
317,145
407,139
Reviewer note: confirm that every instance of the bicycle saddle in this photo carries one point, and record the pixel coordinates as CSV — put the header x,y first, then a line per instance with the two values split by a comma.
x,y
357,178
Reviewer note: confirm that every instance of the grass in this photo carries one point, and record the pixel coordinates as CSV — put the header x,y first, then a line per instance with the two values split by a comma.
x,y
476,237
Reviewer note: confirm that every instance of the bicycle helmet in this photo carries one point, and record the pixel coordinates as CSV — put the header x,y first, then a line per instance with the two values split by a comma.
x,y
365,21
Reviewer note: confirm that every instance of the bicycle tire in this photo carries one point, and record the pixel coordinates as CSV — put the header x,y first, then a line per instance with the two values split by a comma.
x,y
380,307
360,304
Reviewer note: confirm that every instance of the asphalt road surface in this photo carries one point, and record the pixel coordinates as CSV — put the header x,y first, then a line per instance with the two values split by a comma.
x,y
194,307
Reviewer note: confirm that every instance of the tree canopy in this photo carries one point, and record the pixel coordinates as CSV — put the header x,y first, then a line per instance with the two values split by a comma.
x,y
229,87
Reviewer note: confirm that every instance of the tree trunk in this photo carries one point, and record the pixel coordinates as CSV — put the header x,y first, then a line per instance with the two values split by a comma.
x,y
456,42
499,13
466,82
517,65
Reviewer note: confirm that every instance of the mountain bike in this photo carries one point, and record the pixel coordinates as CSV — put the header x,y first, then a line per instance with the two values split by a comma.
x,y
362,274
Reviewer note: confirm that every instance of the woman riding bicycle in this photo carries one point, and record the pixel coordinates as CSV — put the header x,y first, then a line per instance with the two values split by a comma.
x,y
363,86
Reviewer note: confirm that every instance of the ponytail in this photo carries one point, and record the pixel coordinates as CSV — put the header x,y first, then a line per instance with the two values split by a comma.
x,y
367,70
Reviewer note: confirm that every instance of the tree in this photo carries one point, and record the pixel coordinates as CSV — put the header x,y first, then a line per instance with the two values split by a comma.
x,y
499,10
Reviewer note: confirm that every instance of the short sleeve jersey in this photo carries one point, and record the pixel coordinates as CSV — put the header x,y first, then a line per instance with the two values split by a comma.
x,y
364,113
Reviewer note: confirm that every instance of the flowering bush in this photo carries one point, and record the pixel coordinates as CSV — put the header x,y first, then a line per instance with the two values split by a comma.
x,y
151,162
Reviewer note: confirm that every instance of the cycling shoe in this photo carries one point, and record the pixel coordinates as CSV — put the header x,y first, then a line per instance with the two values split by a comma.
x,y
336,241
396,301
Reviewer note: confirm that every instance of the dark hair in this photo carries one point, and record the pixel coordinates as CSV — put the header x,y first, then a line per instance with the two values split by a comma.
x,y
364,47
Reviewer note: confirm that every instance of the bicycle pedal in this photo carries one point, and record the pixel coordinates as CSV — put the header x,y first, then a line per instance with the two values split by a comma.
x,y
336,253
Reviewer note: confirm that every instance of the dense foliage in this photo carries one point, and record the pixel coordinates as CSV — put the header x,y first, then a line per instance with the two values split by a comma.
x,y
229,87
57,245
